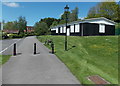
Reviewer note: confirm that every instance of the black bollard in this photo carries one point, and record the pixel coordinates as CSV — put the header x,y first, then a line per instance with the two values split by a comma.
x,y
52,45
34,48
14,49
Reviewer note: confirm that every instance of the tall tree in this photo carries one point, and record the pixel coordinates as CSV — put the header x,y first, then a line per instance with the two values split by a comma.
x,y
21,24
105,9
92,12
54,23
41,28
74,15
63,16
48,21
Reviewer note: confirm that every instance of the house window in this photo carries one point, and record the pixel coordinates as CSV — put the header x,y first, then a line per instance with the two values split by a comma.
x,y
101,28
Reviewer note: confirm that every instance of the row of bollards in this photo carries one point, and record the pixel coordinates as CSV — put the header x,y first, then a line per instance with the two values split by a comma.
x,y
14,49
52,46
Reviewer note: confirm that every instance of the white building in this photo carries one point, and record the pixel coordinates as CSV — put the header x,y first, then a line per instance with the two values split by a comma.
x,y
86,27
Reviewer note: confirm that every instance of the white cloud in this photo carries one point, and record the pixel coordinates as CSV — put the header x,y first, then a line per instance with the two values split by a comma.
x,y
11,4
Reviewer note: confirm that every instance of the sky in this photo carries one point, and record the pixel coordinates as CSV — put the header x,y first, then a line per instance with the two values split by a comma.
x,y
34,11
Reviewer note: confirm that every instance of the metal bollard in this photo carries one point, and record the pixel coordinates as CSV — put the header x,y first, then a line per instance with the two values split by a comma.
x,y
52,45
14,49
34,48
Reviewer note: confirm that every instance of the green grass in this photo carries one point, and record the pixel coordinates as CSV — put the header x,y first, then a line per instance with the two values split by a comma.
x,y
4,59
94,55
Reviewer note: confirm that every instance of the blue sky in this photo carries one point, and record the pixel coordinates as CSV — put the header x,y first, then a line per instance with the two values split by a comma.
x,y
34,11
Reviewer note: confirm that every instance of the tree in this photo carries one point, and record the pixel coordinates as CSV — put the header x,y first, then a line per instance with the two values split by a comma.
x,y
55,23
105,9
21,24
92,12
41,28
74,15
63,16
8,26
62,22
48,21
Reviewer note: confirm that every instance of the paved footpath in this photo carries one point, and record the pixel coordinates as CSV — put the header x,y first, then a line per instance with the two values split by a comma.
x,y
42,68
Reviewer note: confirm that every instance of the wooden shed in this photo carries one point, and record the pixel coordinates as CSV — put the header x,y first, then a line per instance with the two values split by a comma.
x,y
86,27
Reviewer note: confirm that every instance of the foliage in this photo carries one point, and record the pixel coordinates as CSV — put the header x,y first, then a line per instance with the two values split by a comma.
x,y
55,23
30,34
16,35
16,25
21,24
74,15
9,26
48,21
63,16
71,16
62,22
41,28
4,35
93,55
105,9
117,29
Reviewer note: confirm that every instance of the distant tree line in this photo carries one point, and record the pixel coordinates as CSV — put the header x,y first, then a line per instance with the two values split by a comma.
x,y
43,26
19,24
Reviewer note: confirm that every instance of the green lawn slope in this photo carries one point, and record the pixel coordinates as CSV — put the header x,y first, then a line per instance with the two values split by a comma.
x,y
86,56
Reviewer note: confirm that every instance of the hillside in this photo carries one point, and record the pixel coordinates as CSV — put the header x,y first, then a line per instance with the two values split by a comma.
x,y
86,56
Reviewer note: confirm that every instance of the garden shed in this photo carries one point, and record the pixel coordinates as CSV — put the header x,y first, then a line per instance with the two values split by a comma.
x,y
86,27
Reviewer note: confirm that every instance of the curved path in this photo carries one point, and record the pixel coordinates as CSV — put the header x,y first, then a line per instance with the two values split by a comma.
x,y
42,68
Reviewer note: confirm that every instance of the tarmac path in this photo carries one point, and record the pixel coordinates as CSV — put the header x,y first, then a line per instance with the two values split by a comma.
x,y
42,68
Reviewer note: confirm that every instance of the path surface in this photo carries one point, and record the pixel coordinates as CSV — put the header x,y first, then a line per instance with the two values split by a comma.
x,y
43,68
6,46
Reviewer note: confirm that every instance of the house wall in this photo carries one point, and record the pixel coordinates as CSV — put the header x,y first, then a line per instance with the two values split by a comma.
x,y
56,30
64,29
90,28
61,31
77,28
109,30
72,29
53,32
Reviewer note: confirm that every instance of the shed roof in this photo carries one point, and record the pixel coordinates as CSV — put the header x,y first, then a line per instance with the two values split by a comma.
x,y
86,20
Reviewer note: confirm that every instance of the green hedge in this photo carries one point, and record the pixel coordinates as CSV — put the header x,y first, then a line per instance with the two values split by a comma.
x,y
117,29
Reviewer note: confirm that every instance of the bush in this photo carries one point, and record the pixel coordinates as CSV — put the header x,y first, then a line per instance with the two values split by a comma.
x,y
4,35
15,36
117,29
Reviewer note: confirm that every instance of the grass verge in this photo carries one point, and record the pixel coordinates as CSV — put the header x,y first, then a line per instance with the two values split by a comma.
x,y
4,59
86,56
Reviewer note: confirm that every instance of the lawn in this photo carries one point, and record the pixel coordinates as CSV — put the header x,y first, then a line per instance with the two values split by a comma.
x,y
86,56
4,58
